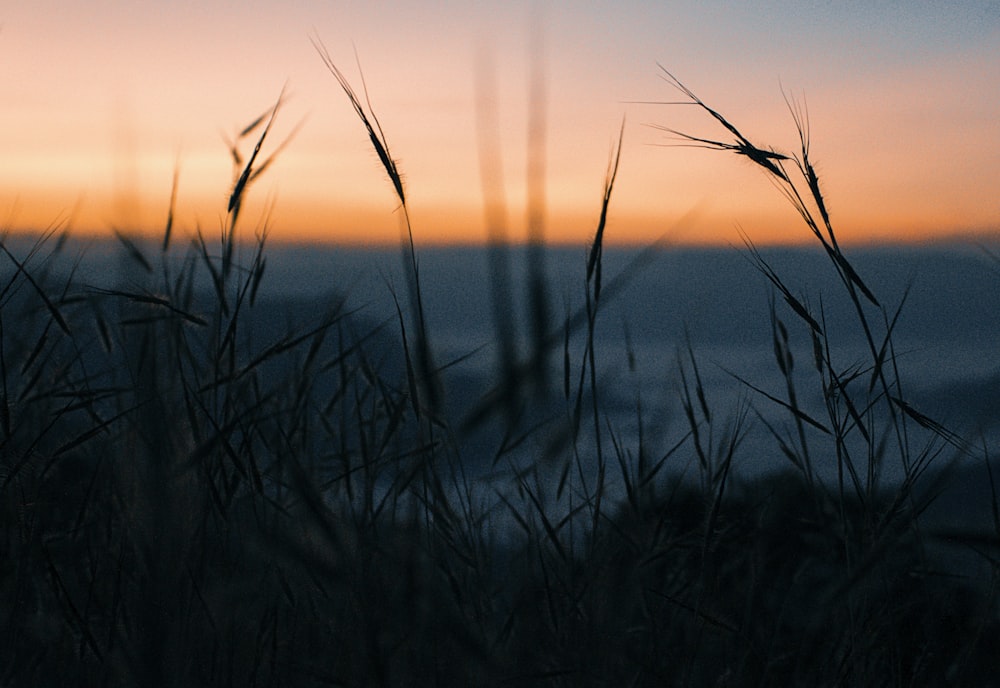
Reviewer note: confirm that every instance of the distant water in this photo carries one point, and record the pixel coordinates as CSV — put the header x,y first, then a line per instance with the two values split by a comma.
x,y
945,337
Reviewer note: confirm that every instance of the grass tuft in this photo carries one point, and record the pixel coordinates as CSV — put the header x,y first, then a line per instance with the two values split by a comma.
x,y
201,485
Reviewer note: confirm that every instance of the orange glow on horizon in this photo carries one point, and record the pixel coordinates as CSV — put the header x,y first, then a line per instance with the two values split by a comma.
x,y
432,227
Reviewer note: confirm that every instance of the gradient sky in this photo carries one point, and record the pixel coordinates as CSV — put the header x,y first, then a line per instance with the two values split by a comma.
x,y
102,99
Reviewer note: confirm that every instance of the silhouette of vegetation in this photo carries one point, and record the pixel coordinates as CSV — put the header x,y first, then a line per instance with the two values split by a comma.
x,y
195,494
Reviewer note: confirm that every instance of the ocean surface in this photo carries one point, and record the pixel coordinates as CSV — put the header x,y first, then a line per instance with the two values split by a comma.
x,y
663,318
944,301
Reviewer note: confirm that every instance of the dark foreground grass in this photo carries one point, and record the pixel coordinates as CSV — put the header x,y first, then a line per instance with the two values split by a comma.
x,y
189,499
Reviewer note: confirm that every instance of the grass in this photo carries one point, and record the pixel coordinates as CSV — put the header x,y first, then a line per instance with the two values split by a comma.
x,y
190,500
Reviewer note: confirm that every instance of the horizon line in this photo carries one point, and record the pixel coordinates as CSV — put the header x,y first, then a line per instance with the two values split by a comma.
x,y
987,235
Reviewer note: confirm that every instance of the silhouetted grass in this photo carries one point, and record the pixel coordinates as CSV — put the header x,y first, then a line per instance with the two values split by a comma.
x,y
195,494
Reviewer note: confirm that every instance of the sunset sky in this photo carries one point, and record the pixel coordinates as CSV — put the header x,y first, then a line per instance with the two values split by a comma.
x,y
102,99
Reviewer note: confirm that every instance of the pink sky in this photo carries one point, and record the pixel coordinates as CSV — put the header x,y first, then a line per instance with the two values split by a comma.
x,y
103,99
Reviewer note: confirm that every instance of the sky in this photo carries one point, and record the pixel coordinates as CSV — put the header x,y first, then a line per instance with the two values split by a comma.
x,y
104,100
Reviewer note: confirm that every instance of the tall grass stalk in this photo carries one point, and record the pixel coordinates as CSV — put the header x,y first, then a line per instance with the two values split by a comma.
x,y
425,362
537,287
497,235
